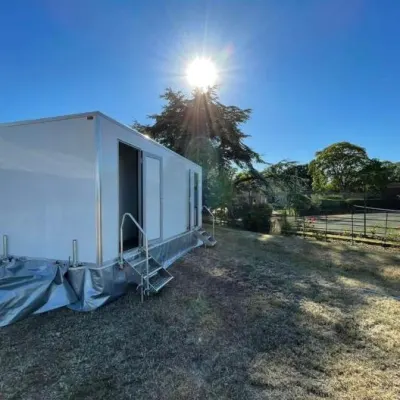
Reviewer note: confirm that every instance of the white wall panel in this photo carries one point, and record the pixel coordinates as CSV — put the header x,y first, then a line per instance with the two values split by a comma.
x,y
152,194
47,184
175,199
174,184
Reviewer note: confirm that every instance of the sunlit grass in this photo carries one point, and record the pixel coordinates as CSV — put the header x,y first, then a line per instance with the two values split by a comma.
x,y
256,317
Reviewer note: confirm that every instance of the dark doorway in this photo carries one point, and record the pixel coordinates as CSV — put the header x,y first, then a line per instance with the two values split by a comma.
x,y
129,193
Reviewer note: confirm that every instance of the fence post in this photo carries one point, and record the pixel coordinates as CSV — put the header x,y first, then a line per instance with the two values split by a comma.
x,y
365,221
326,227
304,226
365,210
352,226
386,225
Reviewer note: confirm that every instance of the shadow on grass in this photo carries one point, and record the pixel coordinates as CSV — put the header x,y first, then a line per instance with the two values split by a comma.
x,y
257,317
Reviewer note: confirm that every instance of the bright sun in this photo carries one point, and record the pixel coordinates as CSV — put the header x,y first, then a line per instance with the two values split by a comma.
x,y
201,73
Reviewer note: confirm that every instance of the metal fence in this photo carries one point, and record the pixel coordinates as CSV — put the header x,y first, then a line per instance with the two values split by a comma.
x,y
372,224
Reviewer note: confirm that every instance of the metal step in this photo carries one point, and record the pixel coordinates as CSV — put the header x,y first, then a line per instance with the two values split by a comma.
x,y
158,281
205,237
135,260
139,265
158,276
153,268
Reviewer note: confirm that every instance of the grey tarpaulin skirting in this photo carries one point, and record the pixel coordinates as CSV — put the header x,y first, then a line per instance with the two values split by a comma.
x,y
168,252
29,286
32,286
96,286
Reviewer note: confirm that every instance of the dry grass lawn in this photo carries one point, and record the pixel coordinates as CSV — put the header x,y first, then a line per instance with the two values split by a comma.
x,y
257,317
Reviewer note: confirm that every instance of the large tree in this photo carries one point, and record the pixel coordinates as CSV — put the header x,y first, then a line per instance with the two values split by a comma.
x,y
284,183
289,184
393,169
375,175
338,167
202,129
219,189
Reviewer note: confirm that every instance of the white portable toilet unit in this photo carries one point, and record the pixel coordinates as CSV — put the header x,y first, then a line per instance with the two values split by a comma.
x,y
70,184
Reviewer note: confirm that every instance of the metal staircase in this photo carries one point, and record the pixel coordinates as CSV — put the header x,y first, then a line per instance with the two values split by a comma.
x,y
147,273
203,235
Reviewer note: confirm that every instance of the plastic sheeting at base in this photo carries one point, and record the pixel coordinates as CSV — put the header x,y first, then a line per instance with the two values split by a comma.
x,y
30,286
168,252
96,286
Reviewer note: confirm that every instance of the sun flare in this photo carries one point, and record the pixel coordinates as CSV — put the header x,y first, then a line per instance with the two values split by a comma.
x,y
202,73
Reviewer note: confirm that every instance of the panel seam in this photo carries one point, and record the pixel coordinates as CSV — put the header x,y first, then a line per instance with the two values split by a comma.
x,y
99,238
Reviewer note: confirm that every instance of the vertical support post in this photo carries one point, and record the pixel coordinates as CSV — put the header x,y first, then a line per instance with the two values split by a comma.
x,y
304,226
147,266
213,221
365,211
386,226
121,243
146,248
213,226
74,253
326,227
5,246
365,221
352,226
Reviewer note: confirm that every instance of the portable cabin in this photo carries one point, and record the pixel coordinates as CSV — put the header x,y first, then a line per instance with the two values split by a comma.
x,y
73,186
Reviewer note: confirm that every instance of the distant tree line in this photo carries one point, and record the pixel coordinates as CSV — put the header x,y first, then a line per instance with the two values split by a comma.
x,y
201,128
345,167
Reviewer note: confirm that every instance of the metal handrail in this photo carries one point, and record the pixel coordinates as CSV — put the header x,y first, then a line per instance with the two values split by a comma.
x,y
146,247
213,219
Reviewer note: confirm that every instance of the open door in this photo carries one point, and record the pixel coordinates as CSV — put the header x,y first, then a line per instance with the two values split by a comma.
x,y
152,196
129,192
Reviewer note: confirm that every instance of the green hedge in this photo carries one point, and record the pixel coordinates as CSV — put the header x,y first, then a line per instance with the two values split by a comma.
x,y
256,218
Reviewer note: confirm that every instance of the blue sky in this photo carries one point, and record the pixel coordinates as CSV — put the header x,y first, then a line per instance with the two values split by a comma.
x,y
313,71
